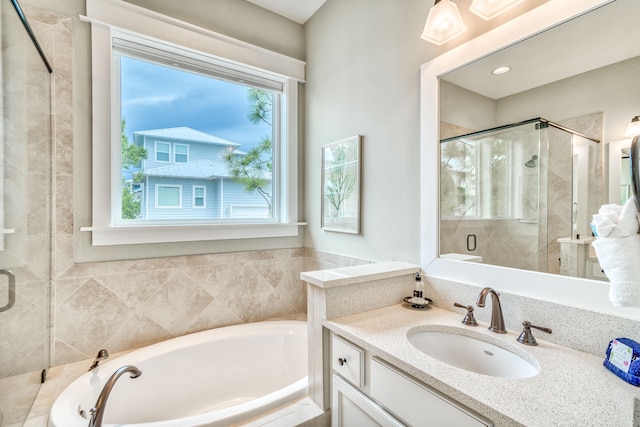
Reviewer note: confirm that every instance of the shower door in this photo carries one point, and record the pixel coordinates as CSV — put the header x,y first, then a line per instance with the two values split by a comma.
x,y
25,218
508,194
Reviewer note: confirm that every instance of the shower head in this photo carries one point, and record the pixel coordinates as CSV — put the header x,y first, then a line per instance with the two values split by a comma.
x,y
532,163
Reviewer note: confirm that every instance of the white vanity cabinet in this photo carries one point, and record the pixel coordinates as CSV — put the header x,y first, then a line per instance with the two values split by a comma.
x,y
366,391
352,408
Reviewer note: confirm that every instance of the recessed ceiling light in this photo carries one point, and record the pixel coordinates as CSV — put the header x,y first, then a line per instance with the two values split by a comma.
x,y
501,70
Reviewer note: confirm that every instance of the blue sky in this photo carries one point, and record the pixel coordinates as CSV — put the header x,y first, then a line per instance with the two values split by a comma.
x,y
156,97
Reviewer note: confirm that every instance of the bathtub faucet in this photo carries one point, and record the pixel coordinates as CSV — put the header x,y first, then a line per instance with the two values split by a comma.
x,y
97,412
102,355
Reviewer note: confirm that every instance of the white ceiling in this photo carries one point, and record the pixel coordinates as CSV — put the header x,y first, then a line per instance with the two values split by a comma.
x,y
605,36
296,10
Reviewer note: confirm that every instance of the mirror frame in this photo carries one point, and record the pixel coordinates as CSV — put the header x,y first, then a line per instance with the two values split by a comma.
x,y
581,293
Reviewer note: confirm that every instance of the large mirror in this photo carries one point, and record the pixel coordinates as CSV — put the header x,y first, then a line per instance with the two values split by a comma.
x,y
574,72
522,133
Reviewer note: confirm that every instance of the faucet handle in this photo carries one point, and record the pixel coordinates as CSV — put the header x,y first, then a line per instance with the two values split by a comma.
x,y
468,319
526,337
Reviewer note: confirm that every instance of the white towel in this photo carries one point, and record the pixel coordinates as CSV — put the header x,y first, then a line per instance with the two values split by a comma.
x,y
616,220
620,260
618,251
628,219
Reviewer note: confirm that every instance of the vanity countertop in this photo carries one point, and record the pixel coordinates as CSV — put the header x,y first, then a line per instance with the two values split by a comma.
x,y
573,388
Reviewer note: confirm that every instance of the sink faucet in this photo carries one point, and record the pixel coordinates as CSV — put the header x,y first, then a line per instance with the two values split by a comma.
x,y
97,412
497,321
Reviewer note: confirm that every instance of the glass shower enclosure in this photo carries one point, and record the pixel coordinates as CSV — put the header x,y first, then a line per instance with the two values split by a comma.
x,y
508,194
25,216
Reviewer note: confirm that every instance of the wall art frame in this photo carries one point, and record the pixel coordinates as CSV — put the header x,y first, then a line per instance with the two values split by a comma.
x,y
341,185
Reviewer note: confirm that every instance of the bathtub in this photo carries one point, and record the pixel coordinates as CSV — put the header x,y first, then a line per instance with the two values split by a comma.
x,y
211,378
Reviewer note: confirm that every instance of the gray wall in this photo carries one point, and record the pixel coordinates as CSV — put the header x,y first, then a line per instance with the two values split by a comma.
x,y
363,62
613,90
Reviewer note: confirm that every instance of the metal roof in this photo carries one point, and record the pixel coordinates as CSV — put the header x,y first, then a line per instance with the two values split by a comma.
x,y
184,133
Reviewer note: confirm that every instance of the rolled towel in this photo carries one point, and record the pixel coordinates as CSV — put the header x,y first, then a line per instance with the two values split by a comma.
x,y
628,218
620,260
607,226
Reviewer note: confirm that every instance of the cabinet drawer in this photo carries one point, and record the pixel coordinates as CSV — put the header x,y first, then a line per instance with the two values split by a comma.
x,y
414,403
347,360
350,408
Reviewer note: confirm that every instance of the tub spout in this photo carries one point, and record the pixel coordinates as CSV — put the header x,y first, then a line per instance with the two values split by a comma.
x,y
97,412
102,355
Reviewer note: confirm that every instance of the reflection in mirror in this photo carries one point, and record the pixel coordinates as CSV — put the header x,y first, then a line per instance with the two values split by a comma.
x,y
625,176
525,196
506,191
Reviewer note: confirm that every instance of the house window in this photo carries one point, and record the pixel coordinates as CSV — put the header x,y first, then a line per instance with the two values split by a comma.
x,y
163,151
181,153
168,196
223,115
199,196
237,148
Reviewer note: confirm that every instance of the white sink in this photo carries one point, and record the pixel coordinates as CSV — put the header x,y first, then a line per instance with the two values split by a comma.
x,y
472,354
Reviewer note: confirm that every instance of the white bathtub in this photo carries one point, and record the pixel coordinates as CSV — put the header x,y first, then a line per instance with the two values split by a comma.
x,y
211,378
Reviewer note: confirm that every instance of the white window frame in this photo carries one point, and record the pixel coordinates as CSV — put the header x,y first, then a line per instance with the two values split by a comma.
x,y
179,187
175,152
156,151
111,18
204,197
232,207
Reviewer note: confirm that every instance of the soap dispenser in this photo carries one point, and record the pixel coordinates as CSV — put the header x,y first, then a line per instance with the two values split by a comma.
x,y
418,289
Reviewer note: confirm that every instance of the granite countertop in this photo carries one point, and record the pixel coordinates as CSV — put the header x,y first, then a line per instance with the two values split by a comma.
x,y
573,388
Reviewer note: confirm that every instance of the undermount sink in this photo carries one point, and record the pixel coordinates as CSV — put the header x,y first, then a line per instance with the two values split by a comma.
x,y
471,354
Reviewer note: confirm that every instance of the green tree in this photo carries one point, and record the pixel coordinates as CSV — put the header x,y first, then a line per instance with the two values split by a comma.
x,y
341,178
254,169
132,155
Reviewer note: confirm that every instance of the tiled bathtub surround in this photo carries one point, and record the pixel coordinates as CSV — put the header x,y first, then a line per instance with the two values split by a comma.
x,y
128,304
122,305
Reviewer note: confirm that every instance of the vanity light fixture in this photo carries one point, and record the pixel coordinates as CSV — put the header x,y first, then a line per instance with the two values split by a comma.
x,y
634,127
443,23
489,9
501,70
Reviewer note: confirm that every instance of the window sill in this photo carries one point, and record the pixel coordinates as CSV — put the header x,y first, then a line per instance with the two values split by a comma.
x,y
130,235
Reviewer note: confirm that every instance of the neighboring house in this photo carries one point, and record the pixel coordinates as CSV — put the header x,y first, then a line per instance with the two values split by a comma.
x,y
185,176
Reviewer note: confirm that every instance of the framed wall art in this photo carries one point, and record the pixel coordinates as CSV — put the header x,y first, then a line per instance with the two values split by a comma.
x,y
341,167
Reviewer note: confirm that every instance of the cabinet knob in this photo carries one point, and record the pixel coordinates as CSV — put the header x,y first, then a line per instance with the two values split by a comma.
x,y
342,361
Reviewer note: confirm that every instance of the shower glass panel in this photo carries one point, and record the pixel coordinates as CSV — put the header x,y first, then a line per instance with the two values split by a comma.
x,y
507,194
25,218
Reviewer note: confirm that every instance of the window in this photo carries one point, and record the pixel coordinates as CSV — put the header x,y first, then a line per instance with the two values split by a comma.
x,y
199,197
156,116
482,177
227,126
181,153
163,151
168,196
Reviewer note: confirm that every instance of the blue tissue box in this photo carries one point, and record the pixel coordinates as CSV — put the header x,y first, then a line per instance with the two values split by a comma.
x,y
633,376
